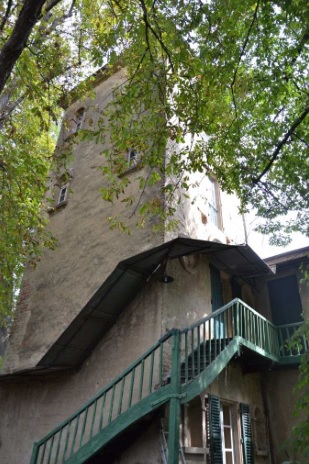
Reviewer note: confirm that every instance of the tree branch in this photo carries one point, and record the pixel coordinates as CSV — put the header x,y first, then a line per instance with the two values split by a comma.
x,y
6,15
9,110
242,52
52,3
301,139
149,26
12,49
281,144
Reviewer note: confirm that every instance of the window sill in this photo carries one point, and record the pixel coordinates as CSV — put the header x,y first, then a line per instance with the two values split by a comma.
x,y
130,170
195,450
58,207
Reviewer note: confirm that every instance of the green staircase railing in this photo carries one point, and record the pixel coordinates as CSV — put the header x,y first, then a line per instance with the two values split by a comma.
x,y
177,368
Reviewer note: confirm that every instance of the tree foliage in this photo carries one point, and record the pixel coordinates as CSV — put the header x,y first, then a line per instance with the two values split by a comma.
x,y
225,82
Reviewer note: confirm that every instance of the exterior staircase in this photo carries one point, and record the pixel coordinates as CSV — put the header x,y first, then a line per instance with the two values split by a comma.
x,y
180,366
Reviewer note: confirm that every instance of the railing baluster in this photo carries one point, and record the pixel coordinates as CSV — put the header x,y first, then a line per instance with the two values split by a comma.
x,y
160,365
141,381
111,406
204,346
66,443
238,319
259,333
93,418
102,411
227,331
215,336
192,353
74,435
220,333
186,357
58,446
132,385
287,337
50,449
151,371
198,351
210,321
121,395
83,427
43,453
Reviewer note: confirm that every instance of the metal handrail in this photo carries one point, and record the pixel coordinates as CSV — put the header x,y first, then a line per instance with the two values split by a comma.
x,y
200,344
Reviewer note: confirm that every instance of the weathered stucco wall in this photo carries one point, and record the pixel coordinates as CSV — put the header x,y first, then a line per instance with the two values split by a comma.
x,y
65,279
194,213
281,400
87,252
31,409
234,386
146,449
188,298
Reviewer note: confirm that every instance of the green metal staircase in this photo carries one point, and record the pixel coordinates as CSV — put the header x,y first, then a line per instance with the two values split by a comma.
x,y
180,366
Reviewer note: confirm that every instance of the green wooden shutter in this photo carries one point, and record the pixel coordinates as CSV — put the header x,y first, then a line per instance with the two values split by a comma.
x,y
215,448
247,443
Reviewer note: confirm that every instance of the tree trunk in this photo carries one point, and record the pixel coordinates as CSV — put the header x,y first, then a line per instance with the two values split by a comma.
x,y
13,47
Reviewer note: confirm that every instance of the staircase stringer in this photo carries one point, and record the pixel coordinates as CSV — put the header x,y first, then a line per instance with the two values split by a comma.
x,y
251,346
239,325
129,417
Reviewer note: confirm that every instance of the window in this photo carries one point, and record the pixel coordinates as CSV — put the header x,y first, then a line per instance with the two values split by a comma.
x,y
132,157
213,201
222,439
247,442
80,114
227,434
63,196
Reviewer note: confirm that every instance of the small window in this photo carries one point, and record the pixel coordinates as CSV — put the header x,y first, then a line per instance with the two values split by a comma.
x,y
213,201
132,157
80,114
63,196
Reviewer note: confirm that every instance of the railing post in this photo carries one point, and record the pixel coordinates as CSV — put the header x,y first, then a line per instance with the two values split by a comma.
x,y
236,319
174,406
35,452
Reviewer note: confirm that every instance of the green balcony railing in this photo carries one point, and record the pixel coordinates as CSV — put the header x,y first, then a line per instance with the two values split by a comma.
x,y
290,349
150,381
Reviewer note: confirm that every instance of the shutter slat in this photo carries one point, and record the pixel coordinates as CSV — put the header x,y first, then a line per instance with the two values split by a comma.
x,y
248,451
215,448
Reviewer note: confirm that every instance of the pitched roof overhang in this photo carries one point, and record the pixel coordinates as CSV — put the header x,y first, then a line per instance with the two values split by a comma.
x,y
86,330
289,259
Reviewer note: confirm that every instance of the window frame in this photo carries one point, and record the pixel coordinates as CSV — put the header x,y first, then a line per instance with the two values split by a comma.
x,y
80,116
232,428
62,202
133,158
214,203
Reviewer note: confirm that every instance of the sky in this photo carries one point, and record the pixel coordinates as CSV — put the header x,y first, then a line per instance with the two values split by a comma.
x,y
259,243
